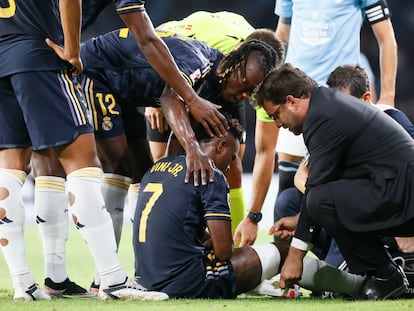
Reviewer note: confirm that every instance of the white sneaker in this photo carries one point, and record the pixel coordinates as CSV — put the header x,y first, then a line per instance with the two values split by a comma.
x,y
130,290
29,294
271,288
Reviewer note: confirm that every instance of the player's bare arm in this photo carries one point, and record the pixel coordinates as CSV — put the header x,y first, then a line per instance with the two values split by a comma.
x,y
265,142
70,12
384,33
177,116
160,58
220,235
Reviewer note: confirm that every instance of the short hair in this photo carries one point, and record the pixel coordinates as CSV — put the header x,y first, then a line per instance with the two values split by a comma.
x,y
352,77
282,81
235,129
268,36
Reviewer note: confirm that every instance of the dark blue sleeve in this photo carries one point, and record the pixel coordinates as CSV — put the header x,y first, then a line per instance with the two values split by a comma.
x,y
402,119
215,198
91,10
128,6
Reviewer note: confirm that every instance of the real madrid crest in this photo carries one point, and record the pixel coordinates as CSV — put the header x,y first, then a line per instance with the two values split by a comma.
x,y
107,124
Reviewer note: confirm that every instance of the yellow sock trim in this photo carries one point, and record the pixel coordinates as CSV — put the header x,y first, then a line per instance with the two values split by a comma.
x,y
20,175
134,187
117,181
86,172
50,183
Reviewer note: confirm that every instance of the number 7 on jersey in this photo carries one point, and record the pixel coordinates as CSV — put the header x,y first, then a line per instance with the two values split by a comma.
x,y
156,190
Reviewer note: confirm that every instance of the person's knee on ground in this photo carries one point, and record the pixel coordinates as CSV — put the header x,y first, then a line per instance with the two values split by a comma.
x,y
364,252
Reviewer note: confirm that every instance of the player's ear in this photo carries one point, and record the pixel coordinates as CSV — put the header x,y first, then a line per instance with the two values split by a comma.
x,y
221,146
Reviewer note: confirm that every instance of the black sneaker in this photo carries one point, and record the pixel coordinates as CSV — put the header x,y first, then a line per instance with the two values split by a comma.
x,y
65,289
380,288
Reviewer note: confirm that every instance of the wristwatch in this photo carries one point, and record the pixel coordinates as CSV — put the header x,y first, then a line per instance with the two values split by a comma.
x,y
255,217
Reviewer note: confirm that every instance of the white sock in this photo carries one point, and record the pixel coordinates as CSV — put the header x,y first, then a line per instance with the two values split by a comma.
x,y
51,205
114,190
12,218
94,223
318,276
132,199
269,258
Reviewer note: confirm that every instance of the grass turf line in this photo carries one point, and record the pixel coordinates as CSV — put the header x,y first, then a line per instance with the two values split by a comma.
x,y
81,270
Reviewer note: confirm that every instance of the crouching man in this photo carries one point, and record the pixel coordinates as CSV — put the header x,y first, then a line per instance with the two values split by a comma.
x,y
183,242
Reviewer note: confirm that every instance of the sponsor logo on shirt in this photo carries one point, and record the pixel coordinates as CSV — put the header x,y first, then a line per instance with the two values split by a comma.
x,y
316,29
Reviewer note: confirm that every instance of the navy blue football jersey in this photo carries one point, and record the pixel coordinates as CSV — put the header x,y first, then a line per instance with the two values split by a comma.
x,y
92,8
115,59
30,17
24,26
169,226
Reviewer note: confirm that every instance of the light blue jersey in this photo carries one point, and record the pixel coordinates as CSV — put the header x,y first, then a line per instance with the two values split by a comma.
x,y
324,34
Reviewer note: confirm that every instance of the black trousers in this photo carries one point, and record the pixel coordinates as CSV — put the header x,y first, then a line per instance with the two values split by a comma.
x,y
363,251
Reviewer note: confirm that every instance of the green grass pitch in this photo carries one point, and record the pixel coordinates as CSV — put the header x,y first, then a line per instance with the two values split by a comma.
x,y
81,270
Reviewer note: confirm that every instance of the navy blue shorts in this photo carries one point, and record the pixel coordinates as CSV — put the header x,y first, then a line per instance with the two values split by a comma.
x,y
219,283
103,107
42,109
110,116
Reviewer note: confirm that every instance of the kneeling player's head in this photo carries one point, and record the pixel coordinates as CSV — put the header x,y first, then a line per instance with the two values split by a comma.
x,y
222,150
351,79
241,71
